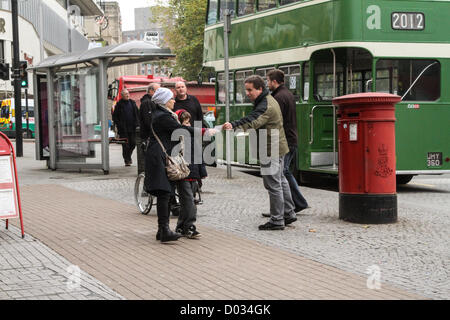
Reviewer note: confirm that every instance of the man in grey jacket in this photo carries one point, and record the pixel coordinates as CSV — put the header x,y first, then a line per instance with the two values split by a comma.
x,y
266,114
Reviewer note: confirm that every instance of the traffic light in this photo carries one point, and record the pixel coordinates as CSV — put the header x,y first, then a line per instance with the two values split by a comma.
x,y
4,71
23,74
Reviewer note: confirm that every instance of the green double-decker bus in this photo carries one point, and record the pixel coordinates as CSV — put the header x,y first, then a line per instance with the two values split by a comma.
x,y
330,48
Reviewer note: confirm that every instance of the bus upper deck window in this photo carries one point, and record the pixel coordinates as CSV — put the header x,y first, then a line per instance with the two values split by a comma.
x,y
283,2
212,12
246,7
266,4
226,4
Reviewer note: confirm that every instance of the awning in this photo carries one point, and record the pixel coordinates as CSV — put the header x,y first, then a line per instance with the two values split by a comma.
x,y
120,54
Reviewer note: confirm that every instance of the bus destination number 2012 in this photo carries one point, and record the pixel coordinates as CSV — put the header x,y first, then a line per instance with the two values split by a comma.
x,y
408,21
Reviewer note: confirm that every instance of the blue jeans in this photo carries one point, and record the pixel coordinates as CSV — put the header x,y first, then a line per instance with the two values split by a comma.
x,y
281,204
299,202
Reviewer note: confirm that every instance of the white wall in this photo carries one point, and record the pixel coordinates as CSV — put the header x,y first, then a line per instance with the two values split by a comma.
x,y
29,44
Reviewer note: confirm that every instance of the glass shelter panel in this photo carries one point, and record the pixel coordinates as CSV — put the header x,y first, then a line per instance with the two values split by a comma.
x,y
414,80
77,114
241,96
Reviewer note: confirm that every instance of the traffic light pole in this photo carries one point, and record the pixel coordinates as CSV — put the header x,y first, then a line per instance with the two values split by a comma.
x,y
28,115
17,86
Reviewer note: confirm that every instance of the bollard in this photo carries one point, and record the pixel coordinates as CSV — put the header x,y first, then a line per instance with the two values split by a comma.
x,y
367,175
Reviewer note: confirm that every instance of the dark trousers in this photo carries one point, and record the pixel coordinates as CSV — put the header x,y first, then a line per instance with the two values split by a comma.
x,y
188,213
162,209
299,202
128,148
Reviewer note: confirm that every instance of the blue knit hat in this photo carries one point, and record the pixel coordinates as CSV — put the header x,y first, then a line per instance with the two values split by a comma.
x,y
162,96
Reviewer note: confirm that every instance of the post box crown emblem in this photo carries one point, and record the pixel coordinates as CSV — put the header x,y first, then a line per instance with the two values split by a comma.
x,y
382,150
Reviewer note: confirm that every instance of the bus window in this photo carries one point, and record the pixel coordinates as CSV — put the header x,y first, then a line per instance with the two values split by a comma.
x,y
226,4
4,113
263,73
323,80
306,81
266,4
221,87
283,2
414,80
212,12
246,7
241,97
292,79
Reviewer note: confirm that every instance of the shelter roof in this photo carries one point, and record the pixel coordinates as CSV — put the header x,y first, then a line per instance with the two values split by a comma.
x,y
120,54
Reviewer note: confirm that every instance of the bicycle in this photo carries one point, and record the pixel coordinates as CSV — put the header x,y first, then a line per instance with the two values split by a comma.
x,y
145,201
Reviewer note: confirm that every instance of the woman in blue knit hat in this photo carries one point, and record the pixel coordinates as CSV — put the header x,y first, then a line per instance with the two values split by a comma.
x,y
164,123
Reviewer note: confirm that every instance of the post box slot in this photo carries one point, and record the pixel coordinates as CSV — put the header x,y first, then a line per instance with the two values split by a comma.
x,y
353,115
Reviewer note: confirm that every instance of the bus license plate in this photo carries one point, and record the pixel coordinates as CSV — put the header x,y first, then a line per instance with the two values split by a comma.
x,y
434,159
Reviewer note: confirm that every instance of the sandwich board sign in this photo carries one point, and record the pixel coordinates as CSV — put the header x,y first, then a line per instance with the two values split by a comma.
x,y
10,207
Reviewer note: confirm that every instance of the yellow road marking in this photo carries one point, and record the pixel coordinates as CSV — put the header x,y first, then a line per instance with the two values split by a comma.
x,y
423,185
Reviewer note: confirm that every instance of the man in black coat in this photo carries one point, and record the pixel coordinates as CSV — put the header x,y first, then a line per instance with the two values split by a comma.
x,y
286,100
187,102
145,111
126,120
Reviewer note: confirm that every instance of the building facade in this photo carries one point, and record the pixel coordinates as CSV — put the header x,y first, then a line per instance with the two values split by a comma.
x,y
46,27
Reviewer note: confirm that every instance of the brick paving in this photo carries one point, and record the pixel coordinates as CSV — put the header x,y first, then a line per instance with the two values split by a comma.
x,y
114,244
31,270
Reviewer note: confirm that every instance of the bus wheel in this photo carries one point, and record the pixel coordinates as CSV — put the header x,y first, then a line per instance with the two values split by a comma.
x,y
404,178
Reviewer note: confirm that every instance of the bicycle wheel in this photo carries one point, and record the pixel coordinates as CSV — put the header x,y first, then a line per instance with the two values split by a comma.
x,y
143,200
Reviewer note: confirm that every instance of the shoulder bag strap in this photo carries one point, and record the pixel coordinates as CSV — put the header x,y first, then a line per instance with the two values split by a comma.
x,y
159,141
162,146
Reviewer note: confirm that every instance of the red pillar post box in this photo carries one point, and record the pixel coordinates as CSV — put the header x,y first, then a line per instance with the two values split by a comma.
x,y
367,183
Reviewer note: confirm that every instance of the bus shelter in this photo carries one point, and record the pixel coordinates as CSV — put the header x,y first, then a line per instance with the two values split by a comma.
x,y
71,112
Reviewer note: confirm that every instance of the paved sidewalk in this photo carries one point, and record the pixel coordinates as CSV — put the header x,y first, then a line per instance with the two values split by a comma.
x,y
31,270
89,220
116,245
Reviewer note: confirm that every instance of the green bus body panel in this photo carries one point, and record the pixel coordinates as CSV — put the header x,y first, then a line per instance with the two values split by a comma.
x,y
419,131
334,21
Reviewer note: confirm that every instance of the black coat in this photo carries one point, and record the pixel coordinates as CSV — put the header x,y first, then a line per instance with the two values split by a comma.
x,y
286,100
164,124
119,117
145,116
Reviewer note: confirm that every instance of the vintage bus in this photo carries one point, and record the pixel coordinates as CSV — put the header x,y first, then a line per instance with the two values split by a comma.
x,y
8,118
330,48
